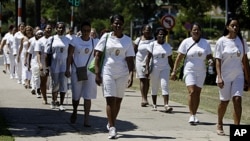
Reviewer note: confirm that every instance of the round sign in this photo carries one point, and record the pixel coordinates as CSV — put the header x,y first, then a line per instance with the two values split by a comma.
x,y
168,21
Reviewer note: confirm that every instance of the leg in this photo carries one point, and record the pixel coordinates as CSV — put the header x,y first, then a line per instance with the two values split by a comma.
x,y
191,93
73,117
111,110
196,100
221,112
144,87
87,106
43,88
237,109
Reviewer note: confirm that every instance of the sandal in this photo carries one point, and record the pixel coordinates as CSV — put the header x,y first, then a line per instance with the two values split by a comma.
x,y
220,130
144,104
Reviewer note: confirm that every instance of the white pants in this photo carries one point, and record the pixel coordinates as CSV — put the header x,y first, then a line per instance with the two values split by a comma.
x,y
159,77
35,77
86,89
114,86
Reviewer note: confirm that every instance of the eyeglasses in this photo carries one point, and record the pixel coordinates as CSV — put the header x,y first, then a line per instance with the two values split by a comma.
x,y
86,30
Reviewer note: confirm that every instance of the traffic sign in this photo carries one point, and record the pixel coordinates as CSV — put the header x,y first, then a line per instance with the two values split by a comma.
x,y
168,22
74,2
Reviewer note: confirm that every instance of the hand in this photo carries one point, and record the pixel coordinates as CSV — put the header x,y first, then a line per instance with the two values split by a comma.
x,y
173,76
67,74
220,83
98,79
130,80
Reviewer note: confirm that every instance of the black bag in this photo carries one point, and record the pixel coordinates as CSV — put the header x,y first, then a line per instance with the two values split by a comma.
x,y
181,72
81,73
49,54
49,59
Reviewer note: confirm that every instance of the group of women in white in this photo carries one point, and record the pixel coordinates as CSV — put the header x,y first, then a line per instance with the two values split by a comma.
x,y
27,54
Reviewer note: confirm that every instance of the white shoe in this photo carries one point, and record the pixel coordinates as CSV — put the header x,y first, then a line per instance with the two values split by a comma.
x,y
154,108
192,119
61,108
19,81
108,127
38,95
196,120
168,109
112,133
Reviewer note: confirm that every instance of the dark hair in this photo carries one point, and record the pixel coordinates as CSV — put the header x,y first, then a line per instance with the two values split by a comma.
x,y
160,29
197,24
116,16
57,24
11,27
225,32
85,23
144,26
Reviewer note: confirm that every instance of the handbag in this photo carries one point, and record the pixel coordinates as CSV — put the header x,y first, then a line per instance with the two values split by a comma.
x,y
91,66
50,54
246,69
182,67
81,72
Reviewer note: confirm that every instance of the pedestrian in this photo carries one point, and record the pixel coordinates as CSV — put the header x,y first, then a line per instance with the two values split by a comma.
x,y
93,33
160,54
22,56
117,70
58,45
35,71
17,43
196,50
230,78
40,52
6,47
140,46
80,53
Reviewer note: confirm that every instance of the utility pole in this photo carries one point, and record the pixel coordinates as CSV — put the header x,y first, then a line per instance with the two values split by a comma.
x,y
19,12
0,20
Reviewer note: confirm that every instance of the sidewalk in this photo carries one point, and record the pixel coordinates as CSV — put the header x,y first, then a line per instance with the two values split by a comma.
x,y
30,120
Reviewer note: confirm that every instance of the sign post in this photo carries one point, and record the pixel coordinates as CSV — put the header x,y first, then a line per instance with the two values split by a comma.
x,y
168,22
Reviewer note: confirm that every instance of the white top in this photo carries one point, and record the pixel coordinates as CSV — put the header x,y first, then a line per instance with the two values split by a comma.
x,y
9,42
31,50
17,41
196,56
142,48
160,54
117,49
71,37
60,47
230,51
40,47
82,51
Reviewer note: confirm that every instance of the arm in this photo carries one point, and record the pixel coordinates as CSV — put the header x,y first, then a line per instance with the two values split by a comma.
x,y
170,62
20,50
220,82
148,57
130,63
69,60
176,65
98,79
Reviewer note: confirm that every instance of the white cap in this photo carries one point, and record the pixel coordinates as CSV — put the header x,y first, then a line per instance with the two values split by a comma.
x,y
39,31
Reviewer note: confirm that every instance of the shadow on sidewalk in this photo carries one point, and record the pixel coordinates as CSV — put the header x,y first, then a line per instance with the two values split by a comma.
x,y
24,122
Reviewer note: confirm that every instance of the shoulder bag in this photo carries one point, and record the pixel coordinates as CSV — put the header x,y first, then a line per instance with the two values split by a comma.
x,y
81,72
49,54
92,63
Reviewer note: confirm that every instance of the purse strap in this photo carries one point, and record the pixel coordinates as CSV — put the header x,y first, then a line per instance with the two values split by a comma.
x,y
189,49
50,47
89,55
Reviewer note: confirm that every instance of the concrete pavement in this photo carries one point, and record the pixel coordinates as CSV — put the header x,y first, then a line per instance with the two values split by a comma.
x,y
30,120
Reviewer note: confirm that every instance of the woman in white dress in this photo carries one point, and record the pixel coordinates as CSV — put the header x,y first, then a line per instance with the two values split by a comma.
x,y
58,46
197,51
80,54
140,45
22,56
117,71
